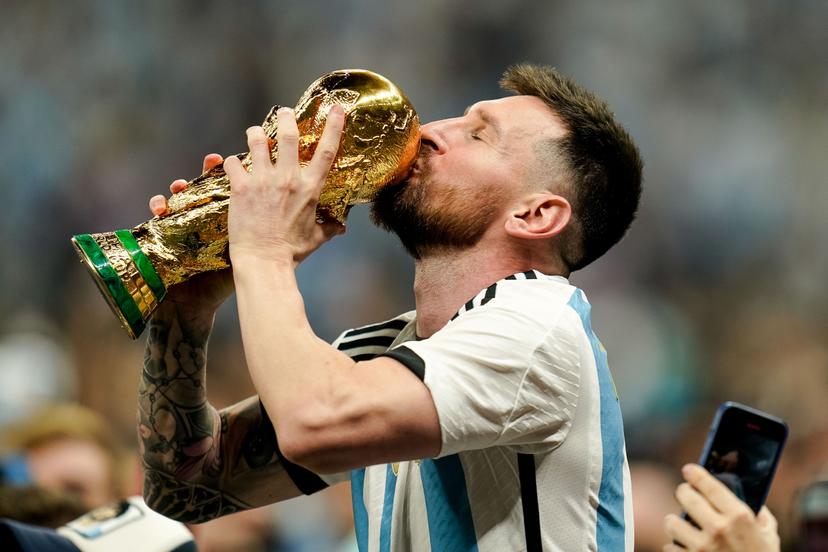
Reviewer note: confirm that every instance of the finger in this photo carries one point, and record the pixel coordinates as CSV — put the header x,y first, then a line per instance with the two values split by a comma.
x,y
287,135
328,145
673,548
682,532
234,169
697,506
259,150
158,205
210,161
178,186
712,489
766,518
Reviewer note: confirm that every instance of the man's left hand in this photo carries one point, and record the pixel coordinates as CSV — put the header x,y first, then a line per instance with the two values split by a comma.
x,y
273,207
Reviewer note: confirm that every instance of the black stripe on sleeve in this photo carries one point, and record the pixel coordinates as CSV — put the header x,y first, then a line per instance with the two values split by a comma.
x,y
305,480
376,341
409,359
530,275
529,500
395,324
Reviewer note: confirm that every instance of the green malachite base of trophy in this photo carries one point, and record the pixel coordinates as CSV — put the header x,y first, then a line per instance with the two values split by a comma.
x,y
125,276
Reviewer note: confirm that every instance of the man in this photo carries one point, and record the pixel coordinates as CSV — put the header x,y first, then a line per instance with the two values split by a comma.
x,y
487,418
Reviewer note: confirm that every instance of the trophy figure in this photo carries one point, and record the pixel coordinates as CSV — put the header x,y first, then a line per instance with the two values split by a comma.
x,y
134,268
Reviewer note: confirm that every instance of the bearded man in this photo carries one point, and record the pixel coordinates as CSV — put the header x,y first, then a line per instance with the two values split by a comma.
x,y
486,419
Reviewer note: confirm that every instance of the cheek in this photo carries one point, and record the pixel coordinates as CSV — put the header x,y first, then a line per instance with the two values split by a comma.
x,y
465,179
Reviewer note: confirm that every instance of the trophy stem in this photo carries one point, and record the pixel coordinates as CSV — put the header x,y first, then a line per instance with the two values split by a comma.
x,y
124,275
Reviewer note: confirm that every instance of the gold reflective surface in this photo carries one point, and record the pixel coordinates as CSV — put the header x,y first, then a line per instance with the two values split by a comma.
x,y
379,145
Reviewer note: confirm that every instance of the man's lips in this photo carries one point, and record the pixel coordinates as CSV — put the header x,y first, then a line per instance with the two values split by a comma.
x,y
415,169
418,164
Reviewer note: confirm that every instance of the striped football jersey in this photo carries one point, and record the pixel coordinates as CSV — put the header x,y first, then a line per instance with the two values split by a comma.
x,y
533,454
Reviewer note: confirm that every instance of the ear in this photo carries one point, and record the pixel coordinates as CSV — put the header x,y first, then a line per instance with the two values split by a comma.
x,y
540,216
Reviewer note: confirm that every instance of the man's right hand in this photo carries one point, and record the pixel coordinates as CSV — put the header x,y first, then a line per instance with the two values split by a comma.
x,y
206,291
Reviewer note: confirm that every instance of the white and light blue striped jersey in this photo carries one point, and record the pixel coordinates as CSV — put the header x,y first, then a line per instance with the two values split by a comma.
x,y
532,454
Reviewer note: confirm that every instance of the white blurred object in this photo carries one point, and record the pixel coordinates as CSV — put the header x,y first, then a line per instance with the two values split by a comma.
x,y
34,370
127,526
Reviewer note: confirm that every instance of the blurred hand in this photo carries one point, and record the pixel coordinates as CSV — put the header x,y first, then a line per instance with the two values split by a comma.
x,y
158,203
207,291
726,523
273,207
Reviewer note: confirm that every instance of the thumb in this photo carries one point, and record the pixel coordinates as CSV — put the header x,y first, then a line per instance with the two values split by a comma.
x,y
766,519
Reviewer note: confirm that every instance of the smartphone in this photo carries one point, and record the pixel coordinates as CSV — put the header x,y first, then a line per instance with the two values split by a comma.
x,y
743,449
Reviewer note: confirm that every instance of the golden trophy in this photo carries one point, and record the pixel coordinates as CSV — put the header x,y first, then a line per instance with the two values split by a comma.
x,y
134,268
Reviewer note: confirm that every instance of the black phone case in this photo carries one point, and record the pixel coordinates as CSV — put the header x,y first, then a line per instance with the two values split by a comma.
x,y
760,416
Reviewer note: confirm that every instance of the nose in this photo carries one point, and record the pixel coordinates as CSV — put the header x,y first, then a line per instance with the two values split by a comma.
x,y
432,135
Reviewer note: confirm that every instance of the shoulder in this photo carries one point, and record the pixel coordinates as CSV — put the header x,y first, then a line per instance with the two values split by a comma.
x,y
520,302
372,339
543,297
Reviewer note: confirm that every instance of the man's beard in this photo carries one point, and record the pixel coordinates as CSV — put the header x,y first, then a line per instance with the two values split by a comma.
x,y
454,223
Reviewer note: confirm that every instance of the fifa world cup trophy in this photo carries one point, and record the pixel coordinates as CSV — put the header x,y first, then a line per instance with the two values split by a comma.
x,y
134,268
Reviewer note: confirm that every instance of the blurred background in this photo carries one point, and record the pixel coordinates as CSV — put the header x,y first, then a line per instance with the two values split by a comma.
x,y
717,292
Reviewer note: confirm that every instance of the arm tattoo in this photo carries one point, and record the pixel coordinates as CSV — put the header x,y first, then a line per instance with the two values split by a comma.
x,y
187,503
259,445
199,464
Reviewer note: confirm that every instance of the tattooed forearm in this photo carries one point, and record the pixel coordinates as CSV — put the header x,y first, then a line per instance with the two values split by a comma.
x,y
187,502
179,429
259,445
199,463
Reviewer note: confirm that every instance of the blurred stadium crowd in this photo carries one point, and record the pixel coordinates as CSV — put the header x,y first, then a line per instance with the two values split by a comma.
x,y
718,292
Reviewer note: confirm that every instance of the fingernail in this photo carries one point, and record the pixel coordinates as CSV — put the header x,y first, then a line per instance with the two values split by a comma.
x,y
687,469
284,111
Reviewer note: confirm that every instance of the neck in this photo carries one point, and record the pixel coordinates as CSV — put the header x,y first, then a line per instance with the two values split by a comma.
x,y
445,280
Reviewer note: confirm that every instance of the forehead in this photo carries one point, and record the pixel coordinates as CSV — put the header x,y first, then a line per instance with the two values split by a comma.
x,y
520,116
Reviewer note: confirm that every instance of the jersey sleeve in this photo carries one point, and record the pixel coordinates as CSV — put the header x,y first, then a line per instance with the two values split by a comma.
x,y
499,377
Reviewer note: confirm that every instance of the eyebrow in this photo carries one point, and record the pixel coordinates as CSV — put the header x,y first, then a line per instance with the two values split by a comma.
x,y
486,118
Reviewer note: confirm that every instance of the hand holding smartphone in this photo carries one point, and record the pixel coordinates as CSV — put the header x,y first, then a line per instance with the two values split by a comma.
x,y
739,459
721,522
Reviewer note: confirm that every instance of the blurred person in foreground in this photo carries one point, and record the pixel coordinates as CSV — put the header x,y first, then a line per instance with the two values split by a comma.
x,y
67,450
487,417
724,523
37,506
653,487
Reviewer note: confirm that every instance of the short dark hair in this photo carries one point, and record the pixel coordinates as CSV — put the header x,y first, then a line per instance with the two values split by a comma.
x,y
602,162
